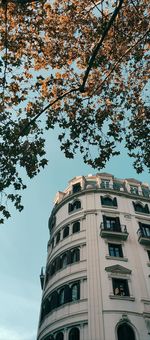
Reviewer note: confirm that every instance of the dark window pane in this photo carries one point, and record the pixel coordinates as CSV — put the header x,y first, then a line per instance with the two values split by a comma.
x,y
58,237
115,250
76,227
64,261
60,336
107,201
134,190
74,334
75,255
66,231
75,292
112,223
61,296
76,205
105,184
145,229
125,332
76,187
120,287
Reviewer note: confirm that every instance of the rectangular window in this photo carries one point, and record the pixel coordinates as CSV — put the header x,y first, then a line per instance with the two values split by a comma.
x,y
76,187
112,223
105,184
115,250
120,287
145,229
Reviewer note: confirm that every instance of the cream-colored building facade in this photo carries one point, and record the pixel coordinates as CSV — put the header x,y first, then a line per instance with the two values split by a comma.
x,y
96,284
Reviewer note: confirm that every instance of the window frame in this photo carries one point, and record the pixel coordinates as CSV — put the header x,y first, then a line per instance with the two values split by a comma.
x,y
75,229
115,245
122,288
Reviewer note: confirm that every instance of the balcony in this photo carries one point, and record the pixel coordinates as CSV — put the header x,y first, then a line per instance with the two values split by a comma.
x,y
144,236
114,231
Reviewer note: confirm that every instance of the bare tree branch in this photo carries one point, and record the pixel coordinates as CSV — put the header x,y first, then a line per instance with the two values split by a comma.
x,y
99,45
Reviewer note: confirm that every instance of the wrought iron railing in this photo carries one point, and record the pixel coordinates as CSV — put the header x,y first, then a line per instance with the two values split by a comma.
x,y
121,228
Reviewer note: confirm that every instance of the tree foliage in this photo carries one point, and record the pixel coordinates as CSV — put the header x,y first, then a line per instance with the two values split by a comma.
x,y
80,65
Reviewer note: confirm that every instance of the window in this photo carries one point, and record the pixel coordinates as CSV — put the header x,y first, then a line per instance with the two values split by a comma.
x,y
74,334
139,207
54,300
106,200
120,287
146,192
112,223
53,268
76,227
115,250
75,255
57,237
74,206
66,231
105,184
76,187
134,190
64,261
62,297
75,292
59,336
148,253
125,332
145,229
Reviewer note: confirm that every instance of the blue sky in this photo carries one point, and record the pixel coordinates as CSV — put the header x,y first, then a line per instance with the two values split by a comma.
x,y
24,239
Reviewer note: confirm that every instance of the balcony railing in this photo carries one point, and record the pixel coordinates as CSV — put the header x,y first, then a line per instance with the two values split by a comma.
x,y
114,231
143,236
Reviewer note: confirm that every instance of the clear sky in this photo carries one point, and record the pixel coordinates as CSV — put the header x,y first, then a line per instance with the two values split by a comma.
x,y
24,239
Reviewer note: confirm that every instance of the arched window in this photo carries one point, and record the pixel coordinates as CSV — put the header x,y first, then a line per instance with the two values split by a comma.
x,y
76,205
66,231
139,207
75,292
60,336
107,200
74,334
75,255
125,332
76,227
64,261
62,296
53,268
58,237
54,300
49,337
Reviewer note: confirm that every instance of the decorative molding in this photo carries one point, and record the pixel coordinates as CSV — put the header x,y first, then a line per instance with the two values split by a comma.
x,y
118,269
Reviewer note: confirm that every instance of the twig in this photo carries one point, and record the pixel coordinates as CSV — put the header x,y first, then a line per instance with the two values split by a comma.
x,y
118,61
47,107
6,48
99,45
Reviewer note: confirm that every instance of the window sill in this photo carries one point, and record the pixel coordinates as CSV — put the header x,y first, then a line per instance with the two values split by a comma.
x,y
118,297
116,258
109,206
74,211
142,213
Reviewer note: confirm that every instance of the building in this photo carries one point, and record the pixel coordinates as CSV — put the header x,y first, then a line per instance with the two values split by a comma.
x,y
96,284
